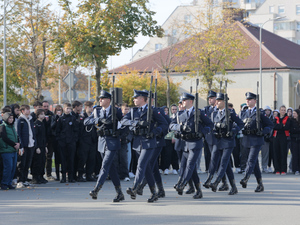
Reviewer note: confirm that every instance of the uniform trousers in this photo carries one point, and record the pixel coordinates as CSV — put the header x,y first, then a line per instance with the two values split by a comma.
x,y
121,161
295,148
108,167
86,157
25,163
154,164
144,169
188,168
222,156
38,163
67,154
252,162
207,155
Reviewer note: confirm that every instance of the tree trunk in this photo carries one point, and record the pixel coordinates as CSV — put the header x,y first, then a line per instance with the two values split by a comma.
x,y
38,87
98,80
168,88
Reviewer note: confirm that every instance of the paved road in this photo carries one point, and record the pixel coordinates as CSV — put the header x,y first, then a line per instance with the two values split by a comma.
x,y
56,203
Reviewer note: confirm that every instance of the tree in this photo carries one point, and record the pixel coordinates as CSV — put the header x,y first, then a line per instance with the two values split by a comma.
x,y
131,79
101,28
215,43
27,43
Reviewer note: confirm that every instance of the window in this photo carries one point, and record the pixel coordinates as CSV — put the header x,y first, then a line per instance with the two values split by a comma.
x,y
158,47
297,9
298,42
187,19
174,32
166,32
271,9
284,26
298,26
281,9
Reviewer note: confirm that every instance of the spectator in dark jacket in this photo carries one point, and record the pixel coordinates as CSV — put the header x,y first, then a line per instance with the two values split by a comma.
x,y
67,136
295,141
9,146
26,133
39,156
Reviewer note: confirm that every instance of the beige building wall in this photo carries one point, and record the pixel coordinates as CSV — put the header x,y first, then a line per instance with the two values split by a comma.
x,y
282,89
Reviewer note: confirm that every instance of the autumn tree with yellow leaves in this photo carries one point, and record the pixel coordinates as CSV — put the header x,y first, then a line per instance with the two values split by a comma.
x,y
97,29
214,45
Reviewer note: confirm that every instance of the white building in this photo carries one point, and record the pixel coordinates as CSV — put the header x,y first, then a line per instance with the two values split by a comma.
x,y
287,27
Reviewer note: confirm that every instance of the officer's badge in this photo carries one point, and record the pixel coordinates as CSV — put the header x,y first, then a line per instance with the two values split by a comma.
x,y
70,123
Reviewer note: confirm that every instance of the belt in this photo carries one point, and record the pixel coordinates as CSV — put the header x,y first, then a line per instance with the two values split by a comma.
x,y
191,136
248,132
107,132
140,132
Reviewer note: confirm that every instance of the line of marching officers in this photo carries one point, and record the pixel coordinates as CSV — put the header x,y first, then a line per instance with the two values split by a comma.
x,y
148,140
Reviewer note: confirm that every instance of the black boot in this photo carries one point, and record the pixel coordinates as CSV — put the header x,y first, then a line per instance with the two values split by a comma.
x,y
199,192
80,178
260,186
57,172
224,186
132,191
161,192
214,185
94,193
153,196
119,197
244,181
63,179
208,180
35,180
180,188
191,187
233,189
141,187
178,182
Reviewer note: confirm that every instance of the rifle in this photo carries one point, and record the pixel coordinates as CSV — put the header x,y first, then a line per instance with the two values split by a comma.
x,y
221,86
155,94
226,111
197,115
257,110
113,108
149,110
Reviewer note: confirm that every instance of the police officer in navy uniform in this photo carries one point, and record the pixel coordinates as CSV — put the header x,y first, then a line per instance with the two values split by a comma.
x,y
144,143
253,139
223,144
108,143
185,124
160,143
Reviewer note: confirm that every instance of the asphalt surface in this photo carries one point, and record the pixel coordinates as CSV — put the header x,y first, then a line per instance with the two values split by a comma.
x,y
55,203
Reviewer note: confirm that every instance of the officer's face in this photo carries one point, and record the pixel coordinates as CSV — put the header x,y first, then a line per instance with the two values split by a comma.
x,y
251,102
139,101
104,102
187,103
180,107
212,101
220,104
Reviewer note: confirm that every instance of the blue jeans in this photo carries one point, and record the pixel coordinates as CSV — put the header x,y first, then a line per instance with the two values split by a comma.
x,y
9,167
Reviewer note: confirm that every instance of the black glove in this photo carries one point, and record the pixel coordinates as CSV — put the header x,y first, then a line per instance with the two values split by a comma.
x,y
150,135
229,134
185,128
143,124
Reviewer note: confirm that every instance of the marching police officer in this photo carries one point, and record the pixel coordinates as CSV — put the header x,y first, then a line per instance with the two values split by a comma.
x,y
226,126
185,124
153,162
144,142
108,143
253,139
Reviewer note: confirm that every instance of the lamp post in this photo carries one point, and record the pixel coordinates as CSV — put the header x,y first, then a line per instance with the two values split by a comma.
x,y
4,56
260,60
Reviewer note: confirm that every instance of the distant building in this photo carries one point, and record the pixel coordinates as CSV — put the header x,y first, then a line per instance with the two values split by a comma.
x,y
288,27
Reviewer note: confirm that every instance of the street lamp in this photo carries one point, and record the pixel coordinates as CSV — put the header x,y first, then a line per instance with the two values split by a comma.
x,y
260,63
